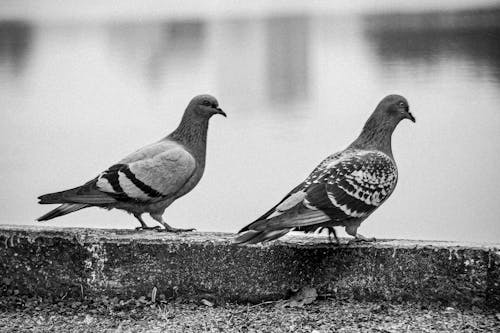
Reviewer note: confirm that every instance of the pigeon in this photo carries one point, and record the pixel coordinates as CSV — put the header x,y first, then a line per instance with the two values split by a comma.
x,y
150,179
345,188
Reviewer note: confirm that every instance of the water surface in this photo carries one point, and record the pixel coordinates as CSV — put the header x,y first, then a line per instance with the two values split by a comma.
x,y
77,97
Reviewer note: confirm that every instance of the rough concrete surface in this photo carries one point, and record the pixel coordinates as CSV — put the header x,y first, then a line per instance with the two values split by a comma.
x,y
71,263
319,317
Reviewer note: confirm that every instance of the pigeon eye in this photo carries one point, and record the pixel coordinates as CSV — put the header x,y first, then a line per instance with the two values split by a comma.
x,y
401,103
206,103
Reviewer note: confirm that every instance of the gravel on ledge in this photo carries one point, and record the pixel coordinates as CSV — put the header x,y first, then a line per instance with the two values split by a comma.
x,y
325,315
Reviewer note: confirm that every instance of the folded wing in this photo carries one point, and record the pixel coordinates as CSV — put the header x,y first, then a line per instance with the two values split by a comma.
x,y
149,176
149,179
349,186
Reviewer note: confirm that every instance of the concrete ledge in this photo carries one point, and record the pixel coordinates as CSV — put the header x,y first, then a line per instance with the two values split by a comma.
x,y
74,263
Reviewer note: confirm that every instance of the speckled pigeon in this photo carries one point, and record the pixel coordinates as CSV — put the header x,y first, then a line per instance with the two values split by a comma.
x,y
150,179
345,188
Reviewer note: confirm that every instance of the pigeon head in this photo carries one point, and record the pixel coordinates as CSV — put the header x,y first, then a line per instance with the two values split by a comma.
x,y
192,130
377,132
393,109
204,106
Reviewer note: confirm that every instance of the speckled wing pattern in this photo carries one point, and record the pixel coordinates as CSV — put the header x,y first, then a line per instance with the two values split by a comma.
x,y
344,186
353,185
296,195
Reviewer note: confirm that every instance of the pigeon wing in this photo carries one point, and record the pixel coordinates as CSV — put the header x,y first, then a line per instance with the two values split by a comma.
x,y
148,179
350,187
355,186
296,195
151,174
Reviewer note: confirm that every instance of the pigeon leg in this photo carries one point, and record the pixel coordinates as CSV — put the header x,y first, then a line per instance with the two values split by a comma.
x,y
352,230
144,226
331,231
168,228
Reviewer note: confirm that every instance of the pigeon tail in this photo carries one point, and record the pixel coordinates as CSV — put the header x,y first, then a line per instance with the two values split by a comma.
x,y
85,194
61,210
57,197
256,236
272,210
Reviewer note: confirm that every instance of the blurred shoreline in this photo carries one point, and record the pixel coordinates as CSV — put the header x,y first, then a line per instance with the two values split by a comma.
x,y
82,83
151,10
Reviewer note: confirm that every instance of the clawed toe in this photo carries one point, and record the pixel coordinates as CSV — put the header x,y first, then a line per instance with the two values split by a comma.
x,y
362,239
175,230
148,228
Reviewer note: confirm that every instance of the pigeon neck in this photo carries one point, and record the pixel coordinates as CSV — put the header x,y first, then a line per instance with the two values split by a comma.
x,y
376,134
192,134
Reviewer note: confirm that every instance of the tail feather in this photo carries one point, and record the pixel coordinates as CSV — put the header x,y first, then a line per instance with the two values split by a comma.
x,y
62,210
298,216
254,236
246,236
56,197
277,226
85,194
272,210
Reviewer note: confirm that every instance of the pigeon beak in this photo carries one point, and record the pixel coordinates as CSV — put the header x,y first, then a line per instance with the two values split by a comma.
x,y
410,116
407,114
219,111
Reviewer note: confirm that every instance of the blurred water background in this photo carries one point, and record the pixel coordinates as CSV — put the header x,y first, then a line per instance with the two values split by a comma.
x,y
83,83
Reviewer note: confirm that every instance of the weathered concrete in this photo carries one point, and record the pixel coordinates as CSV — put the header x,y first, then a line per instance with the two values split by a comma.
x,y
71,263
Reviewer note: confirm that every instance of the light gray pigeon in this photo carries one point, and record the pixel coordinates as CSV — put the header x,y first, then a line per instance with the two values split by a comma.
x,y
150,179
345,188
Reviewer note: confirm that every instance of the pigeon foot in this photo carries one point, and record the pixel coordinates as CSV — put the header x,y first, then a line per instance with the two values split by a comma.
x,y
144,226
174,230
147,228
360,238
168,228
